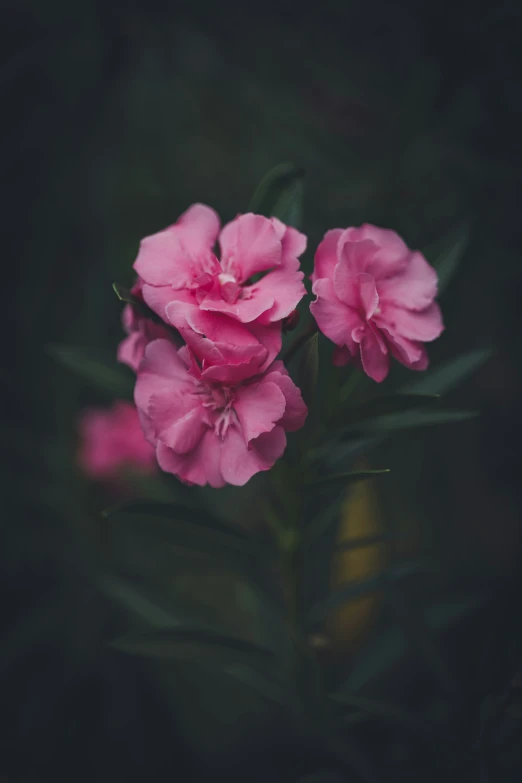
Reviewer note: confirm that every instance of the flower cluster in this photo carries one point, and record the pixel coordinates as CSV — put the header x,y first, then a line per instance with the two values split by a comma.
x,y
217,409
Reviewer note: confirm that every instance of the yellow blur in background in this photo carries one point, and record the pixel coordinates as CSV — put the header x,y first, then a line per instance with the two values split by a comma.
x,y
361,518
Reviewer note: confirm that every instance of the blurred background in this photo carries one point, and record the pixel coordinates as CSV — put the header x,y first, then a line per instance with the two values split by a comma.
x,y
118,116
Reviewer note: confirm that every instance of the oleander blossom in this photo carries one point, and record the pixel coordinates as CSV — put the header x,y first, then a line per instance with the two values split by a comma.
x,y
208,432
375,299
140,331
111,441
257,277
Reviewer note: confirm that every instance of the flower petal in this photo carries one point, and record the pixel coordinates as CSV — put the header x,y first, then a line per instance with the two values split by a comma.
x,y
415,288
326,256
259,406
334,318
239,463
375,362
285,286
178,253
424,326
391,254
245,309
249,244
295,410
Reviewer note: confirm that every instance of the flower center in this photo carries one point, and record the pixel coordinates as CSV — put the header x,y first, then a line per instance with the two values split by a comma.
x,y
219,402
229,287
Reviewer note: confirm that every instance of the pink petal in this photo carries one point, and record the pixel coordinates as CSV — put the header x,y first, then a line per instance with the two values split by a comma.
x,y
286,287
244,309
415,288
200,466
356,257
131,350
258,407
408,352
391,254
326,256
173,256
270,338
295,411
200,228
179,428
292,241
375,362
239,464
249,244
158,298
335,319
424,326
162,372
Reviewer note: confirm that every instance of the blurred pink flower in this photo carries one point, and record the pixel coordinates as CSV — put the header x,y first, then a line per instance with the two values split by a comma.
x,y
375,299
178,264
207,432
140,331
112,440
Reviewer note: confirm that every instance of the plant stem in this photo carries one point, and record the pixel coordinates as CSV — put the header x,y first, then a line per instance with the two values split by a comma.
x,y
299,341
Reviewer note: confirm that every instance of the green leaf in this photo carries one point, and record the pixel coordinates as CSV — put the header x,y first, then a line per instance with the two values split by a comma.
x,y
309,368
280,194
267,687
364,541
378,657
448,375
395,403
170,643
449,256
174,513
343,479
114,380
141,605
342,595
379,709
412,420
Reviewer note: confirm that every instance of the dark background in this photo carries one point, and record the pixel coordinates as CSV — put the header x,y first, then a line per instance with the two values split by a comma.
x,y
115,118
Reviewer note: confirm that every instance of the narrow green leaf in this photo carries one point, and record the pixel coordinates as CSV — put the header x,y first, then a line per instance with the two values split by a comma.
x,y
447,376
135,600
124,295
114,380
395,403
412,420
176,513
378,657
280,194
168,643
448,258
380,709
342,595
309,368
343,479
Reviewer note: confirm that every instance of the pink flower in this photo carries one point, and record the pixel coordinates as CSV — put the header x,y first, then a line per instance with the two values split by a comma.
x,y
207,432
375,298
178,264
112,440
140,331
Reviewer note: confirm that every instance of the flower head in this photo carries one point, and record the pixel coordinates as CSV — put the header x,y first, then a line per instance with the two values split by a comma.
x,y
375,299
140,331
207,431
256,279
112,440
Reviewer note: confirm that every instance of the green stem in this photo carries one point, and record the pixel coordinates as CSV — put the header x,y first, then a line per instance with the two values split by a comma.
x,y
299,341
